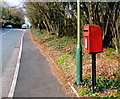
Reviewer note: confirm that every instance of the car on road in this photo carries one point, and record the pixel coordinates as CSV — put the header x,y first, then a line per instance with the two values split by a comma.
x,y
8,26
24,26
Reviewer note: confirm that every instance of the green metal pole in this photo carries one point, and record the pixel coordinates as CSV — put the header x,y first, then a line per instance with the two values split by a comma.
x,y
78,49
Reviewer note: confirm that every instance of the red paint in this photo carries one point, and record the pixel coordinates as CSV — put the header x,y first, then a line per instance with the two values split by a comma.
x,y
92,39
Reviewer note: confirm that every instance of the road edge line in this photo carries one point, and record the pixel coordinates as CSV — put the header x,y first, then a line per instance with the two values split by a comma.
x,y
14,81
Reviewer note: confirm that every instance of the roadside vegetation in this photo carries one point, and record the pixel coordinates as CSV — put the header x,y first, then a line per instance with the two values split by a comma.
x,y
62,51
12,15
55,29
61,18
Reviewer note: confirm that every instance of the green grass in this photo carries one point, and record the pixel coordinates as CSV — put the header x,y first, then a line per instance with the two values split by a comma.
x,y
69,40
56,43
60,43
45,40
58,46
62,59
67,67
103,84
72,52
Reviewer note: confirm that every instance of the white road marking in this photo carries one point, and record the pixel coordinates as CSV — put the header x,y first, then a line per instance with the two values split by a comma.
x,y
5,33
73,89
2,34
13,85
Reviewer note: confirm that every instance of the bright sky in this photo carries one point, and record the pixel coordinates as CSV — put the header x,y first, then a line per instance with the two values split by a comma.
x,y
14,2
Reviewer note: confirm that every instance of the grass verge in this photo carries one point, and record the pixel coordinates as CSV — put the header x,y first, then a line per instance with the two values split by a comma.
x,y
63,52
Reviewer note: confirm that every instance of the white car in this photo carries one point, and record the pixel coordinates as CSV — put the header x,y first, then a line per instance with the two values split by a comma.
x,y
24,26
9,26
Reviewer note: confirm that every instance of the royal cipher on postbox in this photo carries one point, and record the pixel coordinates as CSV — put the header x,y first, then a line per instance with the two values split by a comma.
x,y
92,39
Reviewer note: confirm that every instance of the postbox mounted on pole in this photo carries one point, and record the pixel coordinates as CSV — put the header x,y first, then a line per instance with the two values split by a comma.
x,y
93,45
92,39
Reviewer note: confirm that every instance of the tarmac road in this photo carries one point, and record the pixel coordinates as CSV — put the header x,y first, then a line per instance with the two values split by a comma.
x,y
9,49
10,38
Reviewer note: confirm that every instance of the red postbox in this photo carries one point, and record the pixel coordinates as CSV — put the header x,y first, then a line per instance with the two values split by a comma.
x,y
92,39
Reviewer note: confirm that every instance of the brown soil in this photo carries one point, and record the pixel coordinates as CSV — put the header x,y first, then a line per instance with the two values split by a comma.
x,y
105,67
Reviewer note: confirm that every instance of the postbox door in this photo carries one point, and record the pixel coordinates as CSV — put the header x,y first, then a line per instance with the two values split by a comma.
x,y
96,39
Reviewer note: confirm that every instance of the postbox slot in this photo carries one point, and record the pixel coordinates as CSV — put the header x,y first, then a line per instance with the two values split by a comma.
x,y
85,30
